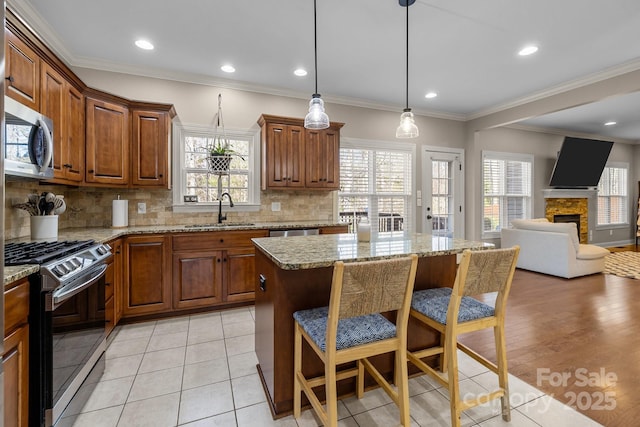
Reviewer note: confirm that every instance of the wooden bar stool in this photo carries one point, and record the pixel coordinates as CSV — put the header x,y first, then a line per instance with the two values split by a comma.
x,y
351,328
452,312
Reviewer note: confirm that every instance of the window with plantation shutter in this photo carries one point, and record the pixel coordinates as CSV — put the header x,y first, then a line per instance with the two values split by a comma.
x,y
376,183
613,199
506,190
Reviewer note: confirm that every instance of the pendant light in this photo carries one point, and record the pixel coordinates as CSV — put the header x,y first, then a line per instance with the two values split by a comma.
x,y
407,128
316,118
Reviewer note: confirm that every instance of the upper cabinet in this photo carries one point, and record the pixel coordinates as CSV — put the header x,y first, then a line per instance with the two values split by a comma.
x,y
100,139
283,156
22,71
64,104
107,143
295,158
150,148
323,158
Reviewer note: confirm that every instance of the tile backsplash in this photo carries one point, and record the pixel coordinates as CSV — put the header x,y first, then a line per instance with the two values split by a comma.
x,y
91,207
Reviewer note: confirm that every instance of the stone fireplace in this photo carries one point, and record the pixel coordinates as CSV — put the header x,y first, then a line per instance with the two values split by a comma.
x,y
565,205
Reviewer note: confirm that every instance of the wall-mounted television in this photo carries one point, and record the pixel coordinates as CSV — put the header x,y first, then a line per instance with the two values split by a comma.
x,y
580,163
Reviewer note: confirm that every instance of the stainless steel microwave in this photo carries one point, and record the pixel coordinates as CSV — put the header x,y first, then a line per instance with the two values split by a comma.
x,y
28,151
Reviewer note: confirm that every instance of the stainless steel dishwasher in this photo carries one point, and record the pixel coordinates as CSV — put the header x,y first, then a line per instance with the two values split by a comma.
x,y
294,232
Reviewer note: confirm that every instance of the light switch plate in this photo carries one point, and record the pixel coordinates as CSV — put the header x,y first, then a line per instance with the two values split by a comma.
x,y
142,208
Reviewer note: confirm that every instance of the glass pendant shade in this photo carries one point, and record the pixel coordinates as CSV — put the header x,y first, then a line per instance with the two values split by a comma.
x,y
316,118
407,128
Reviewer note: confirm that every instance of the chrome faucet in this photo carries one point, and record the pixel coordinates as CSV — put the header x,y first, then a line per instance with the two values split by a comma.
x,y
220,216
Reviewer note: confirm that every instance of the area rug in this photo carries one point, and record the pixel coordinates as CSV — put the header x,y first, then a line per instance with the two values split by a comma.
x,y
624,264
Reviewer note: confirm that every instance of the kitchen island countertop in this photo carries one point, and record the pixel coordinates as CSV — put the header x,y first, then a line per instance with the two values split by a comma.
x,y
297,253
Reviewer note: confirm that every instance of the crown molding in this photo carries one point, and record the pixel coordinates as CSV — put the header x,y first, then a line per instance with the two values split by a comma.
x,y
567,132
600,76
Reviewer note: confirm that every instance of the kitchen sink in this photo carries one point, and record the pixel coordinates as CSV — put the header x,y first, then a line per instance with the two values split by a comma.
x,y
219,225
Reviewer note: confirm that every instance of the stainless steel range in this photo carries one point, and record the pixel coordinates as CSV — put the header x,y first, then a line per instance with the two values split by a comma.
x,y
66,321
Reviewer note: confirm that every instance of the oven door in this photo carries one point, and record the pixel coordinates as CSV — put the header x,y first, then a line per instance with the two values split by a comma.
x,y
75,319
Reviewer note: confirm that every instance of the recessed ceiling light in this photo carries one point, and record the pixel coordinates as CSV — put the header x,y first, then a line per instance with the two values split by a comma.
x,y
430,95
528,50
144,44
611,123
300,72
228,68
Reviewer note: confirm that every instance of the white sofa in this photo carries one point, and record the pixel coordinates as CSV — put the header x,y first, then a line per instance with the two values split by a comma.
x,y
552,248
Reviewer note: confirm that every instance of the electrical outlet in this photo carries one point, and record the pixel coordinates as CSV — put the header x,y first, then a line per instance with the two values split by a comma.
x,y
610,232
275,206
191,198
142,208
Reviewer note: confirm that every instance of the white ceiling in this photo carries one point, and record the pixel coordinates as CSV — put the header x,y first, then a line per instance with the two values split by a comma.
x,y
464,50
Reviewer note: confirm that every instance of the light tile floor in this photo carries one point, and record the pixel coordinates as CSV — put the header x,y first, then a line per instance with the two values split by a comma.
x,y
200,371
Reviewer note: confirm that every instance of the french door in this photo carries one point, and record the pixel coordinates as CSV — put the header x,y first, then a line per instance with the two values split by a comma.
x,y
443,188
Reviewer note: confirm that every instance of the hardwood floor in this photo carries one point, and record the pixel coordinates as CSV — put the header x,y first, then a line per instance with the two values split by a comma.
x,y
585,329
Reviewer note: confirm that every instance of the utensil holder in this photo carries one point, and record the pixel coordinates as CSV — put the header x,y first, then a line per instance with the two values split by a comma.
x,y
44,227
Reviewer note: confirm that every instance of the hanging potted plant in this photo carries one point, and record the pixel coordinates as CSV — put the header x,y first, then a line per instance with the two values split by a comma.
x,y
219,154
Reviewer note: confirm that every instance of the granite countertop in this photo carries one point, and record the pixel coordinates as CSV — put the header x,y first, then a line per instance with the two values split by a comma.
x,y
103,235
295,253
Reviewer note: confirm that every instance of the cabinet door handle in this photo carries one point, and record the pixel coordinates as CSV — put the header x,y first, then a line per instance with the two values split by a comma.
x,y
221,240
224,260
107,284
160,175
218,259
10,78
67,165
117,251
90,170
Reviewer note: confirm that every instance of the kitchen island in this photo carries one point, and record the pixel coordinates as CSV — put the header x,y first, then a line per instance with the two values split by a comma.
x,y
294,273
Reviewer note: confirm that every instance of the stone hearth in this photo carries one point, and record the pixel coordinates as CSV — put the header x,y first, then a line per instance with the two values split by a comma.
x,y
572,202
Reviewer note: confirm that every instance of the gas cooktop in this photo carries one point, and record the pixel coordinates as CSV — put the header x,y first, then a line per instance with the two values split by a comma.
x,y
41,252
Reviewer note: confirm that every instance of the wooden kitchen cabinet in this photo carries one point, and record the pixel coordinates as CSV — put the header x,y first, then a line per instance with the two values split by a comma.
x,y
240,271
212,268
64,104
15,359
113,286
107,143
150,149
147,275
197,278
323,158
22,71
283,156
334,229
294,157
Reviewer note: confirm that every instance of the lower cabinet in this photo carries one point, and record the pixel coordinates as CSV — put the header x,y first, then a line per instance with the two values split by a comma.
x,y
197,278
113,287
240,270
147,275
212,268
15,359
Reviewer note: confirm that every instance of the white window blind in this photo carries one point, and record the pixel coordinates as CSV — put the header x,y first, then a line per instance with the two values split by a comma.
x,y
506,190
613,196
376,183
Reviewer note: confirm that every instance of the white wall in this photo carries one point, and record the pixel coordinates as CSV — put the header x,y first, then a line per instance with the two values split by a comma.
x,y
197,104
544,147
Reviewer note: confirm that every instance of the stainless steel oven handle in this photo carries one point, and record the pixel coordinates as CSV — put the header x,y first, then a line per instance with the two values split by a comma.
x,y
64,294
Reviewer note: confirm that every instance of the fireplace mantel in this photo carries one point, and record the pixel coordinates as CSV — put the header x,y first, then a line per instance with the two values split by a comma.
x,y
568,193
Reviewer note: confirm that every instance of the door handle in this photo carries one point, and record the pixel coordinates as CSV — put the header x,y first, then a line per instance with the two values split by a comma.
x,y
429,217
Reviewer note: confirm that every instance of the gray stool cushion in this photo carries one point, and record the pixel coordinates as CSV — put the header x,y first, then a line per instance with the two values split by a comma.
x,y
351,332
434,303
